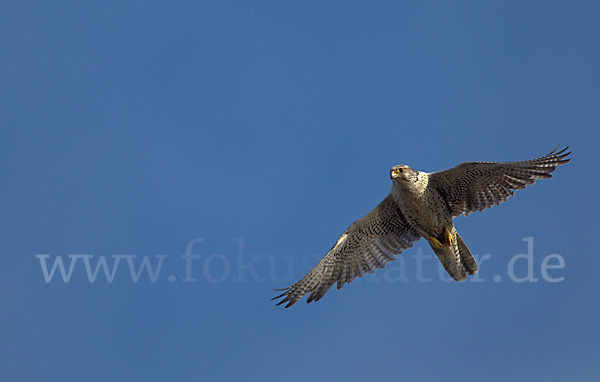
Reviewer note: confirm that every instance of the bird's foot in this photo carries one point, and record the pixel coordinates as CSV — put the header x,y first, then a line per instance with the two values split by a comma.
x,y
448,236
435,242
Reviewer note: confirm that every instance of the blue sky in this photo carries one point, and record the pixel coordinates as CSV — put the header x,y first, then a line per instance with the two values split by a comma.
x,y
259,131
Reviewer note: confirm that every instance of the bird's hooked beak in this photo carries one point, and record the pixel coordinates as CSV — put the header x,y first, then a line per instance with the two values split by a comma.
x,y
394,173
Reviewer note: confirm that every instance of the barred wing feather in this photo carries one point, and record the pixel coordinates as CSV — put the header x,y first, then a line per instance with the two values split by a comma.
x,y
475,186
368,244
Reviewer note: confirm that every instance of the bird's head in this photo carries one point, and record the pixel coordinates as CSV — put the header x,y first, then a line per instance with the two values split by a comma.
x,y
403,173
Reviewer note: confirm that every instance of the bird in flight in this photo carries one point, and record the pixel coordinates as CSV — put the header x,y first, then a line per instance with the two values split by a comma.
x,y
420,204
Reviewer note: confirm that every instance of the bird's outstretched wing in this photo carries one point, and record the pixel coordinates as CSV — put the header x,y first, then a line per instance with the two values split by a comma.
x,y
474,186
368,244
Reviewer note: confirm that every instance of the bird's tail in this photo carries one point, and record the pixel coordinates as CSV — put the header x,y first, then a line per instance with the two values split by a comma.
x,y
466,258
456,257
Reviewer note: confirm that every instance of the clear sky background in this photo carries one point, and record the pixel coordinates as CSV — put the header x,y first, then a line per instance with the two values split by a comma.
x,y
135,127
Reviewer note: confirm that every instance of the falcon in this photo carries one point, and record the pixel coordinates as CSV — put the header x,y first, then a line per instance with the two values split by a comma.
x,y
420,204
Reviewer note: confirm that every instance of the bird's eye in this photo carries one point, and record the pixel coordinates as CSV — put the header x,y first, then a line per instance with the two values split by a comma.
x,y
400,170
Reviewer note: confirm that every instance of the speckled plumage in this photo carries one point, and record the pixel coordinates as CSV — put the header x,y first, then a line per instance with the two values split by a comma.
x,y
420,204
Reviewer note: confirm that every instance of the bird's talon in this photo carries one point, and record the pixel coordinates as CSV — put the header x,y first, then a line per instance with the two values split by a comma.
x,y
435,242
448,236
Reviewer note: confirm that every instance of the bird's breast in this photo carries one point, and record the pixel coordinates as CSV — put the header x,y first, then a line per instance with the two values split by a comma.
x,y
426,211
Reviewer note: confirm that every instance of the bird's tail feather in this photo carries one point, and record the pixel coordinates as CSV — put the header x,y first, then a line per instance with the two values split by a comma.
x,y
466,258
